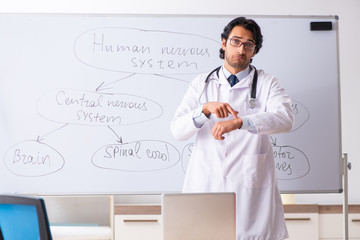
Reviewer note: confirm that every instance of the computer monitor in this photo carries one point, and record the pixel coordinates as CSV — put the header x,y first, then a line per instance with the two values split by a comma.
x,y
23,217
1,235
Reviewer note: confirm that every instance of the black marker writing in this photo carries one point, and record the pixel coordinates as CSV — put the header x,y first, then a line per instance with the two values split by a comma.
x,y
162,64
24,158
156,154
83,100
119,151
127,104
101,45
90,117
284,167
282,154
185,51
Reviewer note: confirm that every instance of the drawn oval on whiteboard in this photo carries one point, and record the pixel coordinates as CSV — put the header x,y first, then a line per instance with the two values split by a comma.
x,y
33,159
290,163
133,50
301,114
95,108
186,155
138,156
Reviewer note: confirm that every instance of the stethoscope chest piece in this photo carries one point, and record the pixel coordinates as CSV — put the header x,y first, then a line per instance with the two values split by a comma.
x,y
252,103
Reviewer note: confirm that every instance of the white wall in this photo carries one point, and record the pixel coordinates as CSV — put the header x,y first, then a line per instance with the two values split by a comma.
x,y
349,40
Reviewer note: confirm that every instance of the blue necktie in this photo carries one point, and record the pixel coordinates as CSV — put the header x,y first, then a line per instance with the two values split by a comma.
x,y
233,80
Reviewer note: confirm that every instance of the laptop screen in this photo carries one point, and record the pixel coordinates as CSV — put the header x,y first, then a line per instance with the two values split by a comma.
x,y
19,222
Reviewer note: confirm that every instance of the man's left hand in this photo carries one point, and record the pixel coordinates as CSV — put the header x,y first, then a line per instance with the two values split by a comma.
x,y
223,127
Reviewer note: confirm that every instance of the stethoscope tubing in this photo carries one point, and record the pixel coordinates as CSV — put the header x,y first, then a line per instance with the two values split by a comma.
x,y
252,101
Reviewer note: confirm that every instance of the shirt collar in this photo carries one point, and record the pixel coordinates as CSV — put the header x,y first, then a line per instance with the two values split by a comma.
x,y
240,75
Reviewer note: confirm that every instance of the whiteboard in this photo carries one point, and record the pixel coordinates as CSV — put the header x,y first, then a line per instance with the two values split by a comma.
x,y
86,100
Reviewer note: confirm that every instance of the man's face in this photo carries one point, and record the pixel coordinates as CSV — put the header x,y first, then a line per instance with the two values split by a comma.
x,y
238,58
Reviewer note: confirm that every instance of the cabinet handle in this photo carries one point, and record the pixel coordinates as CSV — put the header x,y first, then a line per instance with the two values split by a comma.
x,y
355,220
139,220
297,219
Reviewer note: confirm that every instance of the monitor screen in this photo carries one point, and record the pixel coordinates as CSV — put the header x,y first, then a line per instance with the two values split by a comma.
x,y
19,222
1,235
23,217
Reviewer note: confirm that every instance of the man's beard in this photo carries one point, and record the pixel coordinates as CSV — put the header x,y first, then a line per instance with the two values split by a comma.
x,y
238,64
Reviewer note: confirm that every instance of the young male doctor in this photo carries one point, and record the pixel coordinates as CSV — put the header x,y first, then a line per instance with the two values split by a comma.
x,y
232,150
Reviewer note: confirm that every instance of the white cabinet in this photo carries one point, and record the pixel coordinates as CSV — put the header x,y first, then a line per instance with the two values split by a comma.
x,y
310,222
321,222
302,221
354,226
332,226
302,226
137,223
137,227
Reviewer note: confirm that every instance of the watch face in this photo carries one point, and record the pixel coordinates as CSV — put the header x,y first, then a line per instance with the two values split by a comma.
x,y
252,103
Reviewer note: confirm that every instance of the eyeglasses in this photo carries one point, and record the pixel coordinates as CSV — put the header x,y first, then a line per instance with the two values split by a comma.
x,y
235,42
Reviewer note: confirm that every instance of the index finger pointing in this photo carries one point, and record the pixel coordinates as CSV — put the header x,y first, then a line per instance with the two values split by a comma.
x,y
232,111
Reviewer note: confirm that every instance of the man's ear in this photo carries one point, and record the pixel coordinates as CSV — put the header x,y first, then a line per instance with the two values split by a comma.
x,y
223,44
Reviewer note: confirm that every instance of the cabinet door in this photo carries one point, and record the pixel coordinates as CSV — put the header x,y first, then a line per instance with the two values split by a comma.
x,y
332,226
354,226
137,227
302,226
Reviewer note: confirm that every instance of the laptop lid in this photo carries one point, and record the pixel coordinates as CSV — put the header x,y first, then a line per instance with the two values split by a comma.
x,y
198,216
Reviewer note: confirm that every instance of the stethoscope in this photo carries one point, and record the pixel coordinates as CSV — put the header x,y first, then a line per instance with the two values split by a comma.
x,y
252,101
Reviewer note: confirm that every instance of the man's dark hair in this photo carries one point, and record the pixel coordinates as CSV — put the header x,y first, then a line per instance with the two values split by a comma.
x,y
248,24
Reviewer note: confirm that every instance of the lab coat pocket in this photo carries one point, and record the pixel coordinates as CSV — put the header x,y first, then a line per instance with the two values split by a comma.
x,y
257,171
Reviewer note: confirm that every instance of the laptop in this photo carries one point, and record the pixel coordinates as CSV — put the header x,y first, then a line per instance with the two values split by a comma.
x,y
198,216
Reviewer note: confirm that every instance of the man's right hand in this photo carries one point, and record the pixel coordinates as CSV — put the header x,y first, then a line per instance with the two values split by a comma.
x,y
221,110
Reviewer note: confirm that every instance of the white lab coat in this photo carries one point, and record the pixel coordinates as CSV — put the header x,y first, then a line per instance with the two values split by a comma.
x,y
244,161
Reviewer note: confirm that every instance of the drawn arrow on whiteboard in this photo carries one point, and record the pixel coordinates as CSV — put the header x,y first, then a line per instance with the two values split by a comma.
x,y
120,138
41,138
104,86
